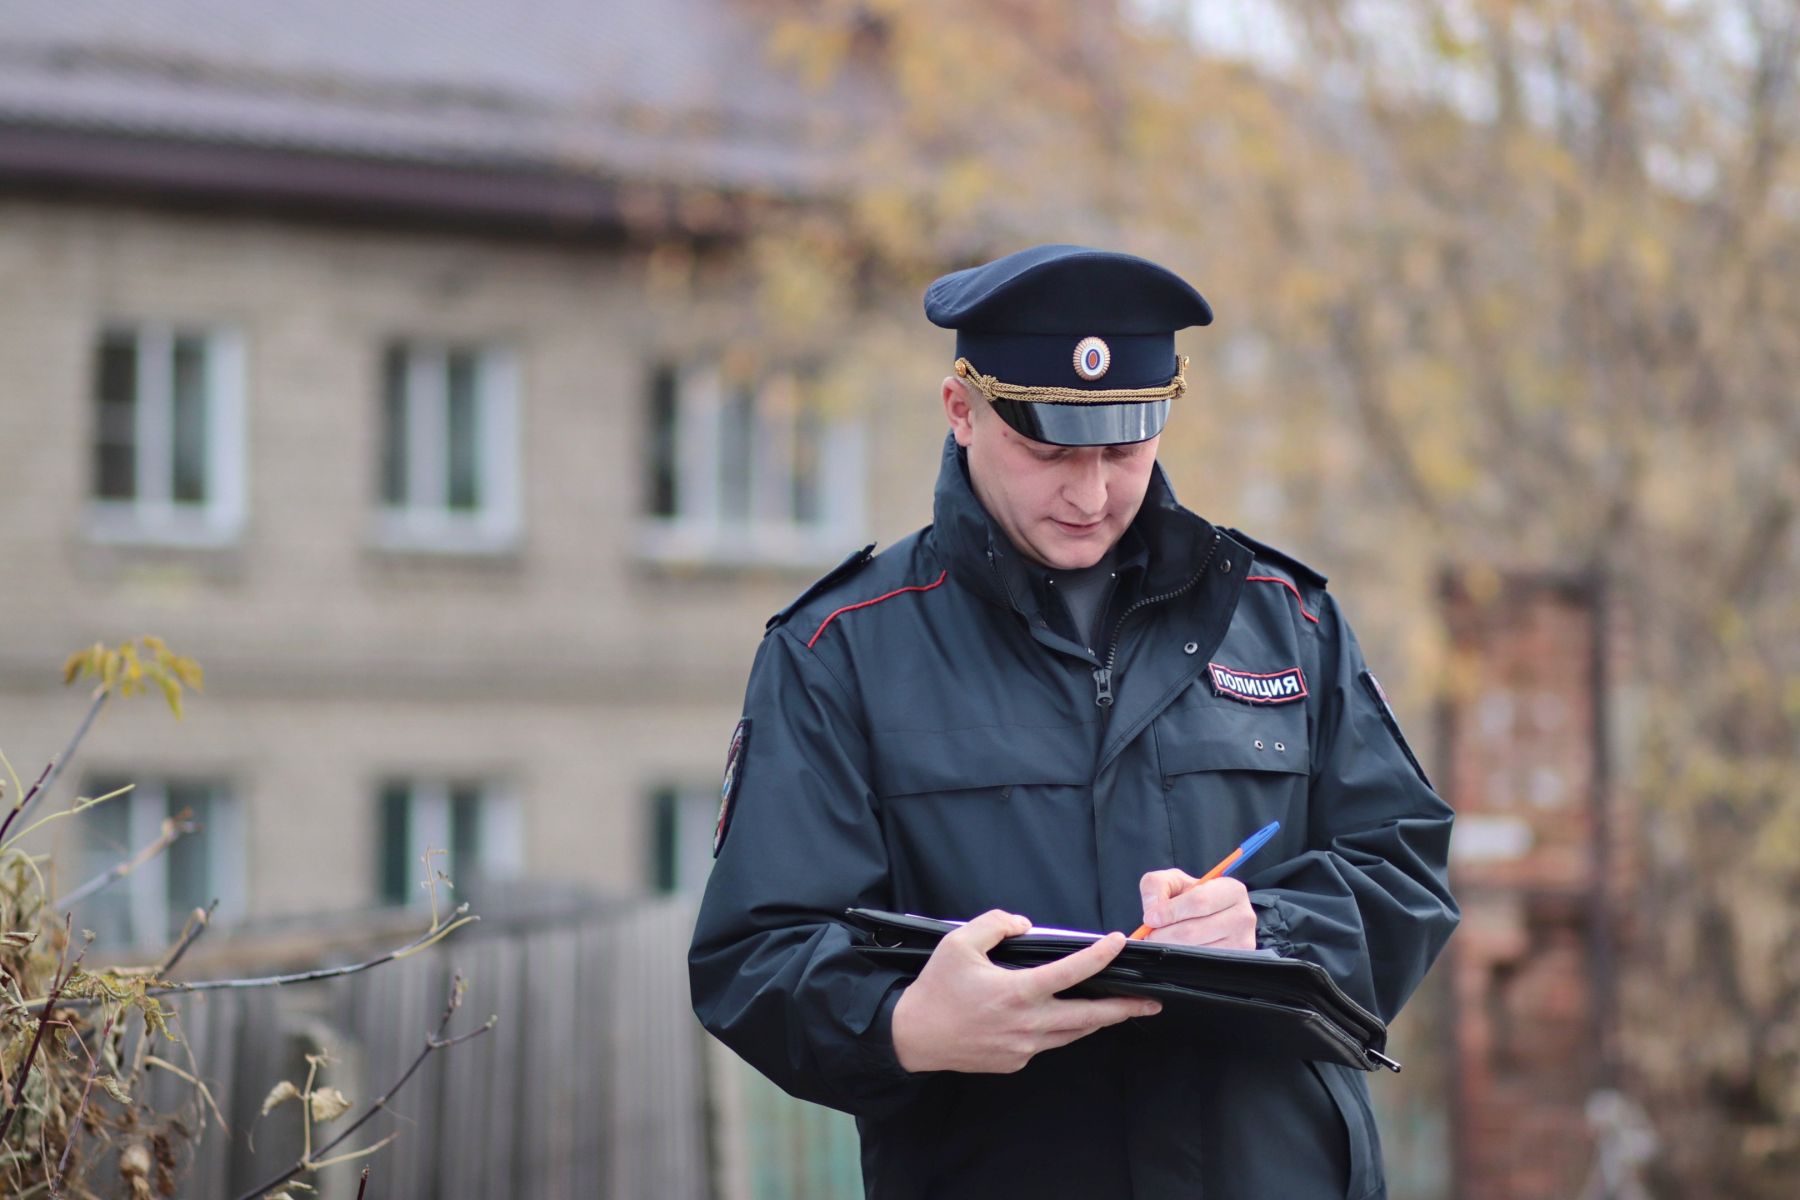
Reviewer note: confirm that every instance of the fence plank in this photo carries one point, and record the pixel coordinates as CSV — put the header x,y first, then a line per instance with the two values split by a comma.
x,y
593,1084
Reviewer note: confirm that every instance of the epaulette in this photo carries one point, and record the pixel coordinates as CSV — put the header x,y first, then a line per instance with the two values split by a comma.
x,y
843,570
1302,572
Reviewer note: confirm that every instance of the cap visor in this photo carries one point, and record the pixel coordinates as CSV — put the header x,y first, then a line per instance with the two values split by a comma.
x,y
1085,424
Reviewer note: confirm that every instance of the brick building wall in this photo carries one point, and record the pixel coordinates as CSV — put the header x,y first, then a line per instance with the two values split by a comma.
x,y
1536,866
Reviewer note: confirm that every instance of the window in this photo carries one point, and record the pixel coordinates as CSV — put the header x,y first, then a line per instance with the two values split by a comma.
x,y
478,826
748,471
682,822
151,904
448,469
168,436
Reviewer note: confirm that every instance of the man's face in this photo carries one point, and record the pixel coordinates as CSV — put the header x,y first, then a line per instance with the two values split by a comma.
x,y
1062,506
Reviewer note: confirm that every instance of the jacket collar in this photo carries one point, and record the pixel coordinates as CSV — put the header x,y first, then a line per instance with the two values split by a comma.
x,y
984,561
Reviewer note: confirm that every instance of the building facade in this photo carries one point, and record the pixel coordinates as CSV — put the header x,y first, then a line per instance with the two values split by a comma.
x,y
354,382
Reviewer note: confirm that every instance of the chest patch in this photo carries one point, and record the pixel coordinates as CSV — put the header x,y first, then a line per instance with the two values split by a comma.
x,y
1280,687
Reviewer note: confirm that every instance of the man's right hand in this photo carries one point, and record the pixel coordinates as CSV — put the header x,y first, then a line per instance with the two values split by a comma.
x,y
963,1013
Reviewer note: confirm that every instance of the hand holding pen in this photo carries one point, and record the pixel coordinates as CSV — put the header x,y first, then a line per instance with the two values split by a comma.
x,y
1172,897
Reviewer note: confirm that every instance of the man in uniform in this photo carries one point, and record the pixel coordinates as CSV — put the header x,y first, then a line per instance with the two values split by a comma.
x,y
1060,703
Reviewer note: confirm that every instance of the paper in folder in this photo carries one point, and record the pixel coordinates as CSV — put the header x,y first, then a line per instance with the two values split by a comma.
x,y
1247,998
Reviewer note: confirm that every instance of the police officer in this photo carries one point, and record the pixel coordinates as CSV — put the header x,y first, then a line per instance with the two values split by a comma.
x,y
1052,705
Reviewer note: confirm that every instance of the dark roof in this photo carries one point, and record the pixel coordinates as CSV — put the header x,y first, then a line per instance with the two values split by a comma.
x,y
675,92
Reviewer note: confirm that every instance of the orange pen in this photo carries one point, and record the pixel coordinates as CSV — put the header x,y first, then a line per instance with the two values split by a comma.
x,y
1227,865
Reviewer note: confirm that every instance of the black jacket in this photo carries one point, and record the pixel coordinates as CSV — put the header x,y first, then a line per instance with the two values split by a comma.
x,y
922,738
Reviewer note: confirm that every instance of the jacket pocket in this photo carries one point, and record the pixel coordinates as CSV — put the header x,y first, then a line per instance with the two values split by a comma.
x,y
1349,1092
1226,736
982,758
1227,770
988,817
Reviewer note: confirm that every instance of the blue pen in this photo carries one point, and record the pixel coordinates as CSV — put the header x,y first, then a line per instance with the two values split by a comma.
x,y
1228,864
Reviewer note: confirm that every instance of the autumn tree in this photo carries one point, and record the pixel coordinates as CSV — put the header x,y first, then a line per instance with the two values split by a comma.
x,y
1506,282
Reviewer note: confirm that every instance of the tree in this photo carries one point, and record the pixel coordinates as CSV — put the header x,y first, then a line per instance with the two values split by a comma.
x,y
1516,281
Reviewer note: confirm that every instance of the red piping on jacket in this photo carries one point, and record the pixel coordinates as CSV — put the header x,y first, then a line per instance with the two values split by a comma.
x,y
1290,587
917,587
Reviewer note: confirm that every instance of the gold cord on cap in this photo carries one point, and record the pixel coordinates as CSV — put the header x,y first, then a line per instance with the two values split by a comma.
x,y
993,389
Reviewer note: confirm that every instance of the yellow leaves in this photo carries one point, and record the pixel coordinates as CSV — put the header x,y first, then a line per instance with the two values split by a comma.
x,y
803,286
1428,395
127,988
124,669
317,1106
328,1103
813,49
278,1095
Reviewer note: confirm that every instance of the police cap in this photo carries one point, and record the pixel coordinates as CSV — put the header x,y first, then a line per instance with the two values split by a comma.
x,y
1072,346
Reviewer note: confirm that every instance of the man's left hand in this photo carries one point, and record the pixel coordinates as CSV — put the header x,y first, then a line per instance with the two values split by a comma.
x,y
1214,913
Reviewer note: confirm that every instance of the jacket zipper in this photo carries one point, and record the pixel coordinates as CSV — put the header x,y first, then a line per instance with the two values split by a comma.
x,y
1103,675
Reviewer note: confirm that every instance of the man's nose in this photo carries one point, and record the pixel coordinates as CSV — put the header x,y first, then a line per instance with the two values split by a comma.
x,y
1085,488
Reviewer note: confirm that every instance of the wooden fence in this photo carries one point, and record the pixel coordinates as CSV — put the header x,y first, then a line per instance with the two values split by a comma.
x,y
597,1081
592,1084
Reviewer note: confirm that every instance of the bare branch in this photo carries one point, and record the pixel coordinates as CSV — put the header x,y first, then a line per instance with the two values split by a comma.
x,y
197,923
437,1041
429,938
174,829
25,798
54,768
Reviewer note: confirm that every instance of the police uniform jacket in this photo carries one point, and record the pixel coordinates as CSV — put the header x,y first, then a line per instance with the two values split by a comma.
x,y
923,737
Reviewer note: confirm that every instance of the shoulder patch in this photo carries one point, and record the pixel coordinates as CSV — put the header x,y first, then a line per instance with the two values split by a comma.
x,y
734,775
842,571
1378,694
1302,573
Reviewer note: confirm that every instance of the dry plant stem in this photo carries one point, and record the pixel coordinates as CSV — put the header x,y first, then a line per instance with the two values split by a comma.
x,y
306,1103
37,1038
54,767
194,1080
364,1185
197,924
429,938
25,798
435,1042
173,832
62,1164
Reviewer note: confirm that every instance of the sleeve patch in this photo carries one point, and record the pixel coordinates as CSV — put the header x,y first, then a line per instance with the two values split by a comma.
x,y
734,775
1379,694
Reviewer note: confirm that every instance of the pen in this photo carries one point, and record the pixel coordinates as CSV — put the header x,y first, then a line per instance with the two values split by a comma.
x,y
1226,865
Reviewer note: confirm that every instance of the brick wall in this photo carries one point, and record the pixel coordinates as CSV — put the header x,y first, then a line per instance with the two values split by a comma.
x,y
1527,773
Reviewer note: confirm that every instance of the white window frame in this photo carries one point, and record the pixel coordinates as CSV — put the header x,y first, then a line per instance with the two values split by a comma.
x,y
146,888
424,520
695,812
500,820
701,532
153,516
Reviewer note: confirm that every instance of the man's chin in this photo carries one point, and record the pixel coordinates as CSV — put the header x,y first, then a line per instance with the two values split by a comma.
x,y
1073,554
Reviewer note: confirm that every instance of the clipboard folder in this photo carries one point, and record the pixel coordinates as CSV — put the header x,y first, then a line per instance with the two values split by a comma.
x,y
1282,1006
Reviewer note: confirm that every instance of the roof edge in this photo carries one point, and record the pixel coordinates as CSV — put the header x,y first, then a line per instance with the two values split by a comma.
x,y
346,187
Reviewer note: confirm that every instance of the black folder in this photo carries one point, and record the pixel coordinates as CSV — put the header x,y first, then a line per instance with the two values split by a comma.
x,y
1244,999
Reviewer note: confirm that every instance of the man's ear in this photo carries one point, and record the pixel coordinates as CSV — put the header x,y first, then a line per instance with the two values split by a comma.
x,y
960,406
